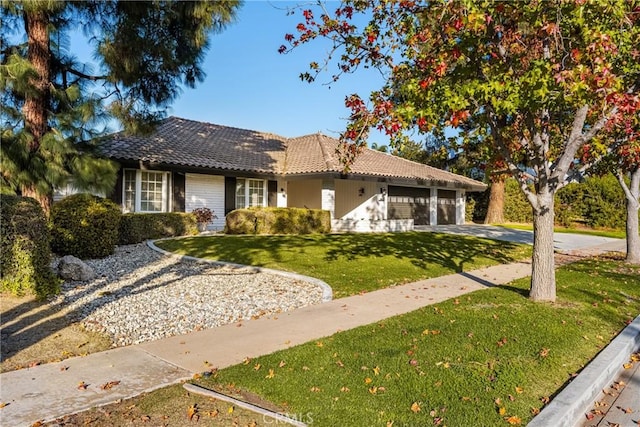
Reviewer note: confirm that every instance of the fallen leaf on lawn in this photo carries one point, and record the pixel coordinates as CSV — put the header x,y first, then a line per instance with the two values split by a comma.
x,y
535,411
456,301
192,411
340,364
502,342
82,385
212,414
145,418
271,374
498,401
545,399
368,380
345,389
315,389
281,364
502,410
230,410
544,352
109,385
373,390
319,344
514,420
376,370
415,407
246,361
511,398
257,366
389,423
519,390
305,368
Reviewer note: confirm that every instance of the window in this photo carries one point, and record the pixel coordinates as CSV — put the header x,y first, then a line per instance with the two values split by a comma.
x,y
249,192
145,191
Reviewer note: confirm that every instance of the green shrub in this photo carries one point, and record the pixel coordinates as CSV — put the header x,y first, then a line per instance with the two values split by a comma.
x,y
138,227
85,226
278,221
516,206
25,254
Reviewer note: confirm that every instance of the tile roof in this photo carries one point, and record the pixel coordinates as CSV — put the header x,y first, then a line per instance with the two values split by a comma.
x,y
189,143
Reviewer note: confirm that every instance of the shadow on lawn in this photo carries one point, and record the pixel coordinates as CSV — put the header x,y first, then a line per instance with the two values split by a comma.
x,y
423,249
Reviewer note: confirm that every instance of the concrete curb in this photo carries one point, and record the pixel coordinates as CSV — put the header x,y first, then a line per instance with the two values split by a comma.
x,y
568,408
327,292
277,417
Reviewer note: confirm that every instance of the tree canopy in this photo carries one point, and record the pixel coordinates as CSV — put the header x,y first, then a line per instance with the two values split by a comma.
x,y
540,78
54,106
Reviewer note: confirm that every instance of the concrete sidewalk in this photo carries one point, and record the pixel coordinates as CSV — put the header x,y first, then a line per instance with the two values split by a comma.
x,y
49,391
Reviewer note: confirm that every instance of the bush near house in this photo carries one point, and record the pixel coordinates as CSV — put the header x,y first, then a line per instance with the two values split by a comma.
x,y
137,227
25,253
278,221
85,226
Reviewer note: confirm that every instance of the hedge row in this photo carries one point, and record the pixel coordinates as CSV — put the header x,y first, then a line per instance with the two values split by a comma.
x,y
598,202
278,221
138,227
25,255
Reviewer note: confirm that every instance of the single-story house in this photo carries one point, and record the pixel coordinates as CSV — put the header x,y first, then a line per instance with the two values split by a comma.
x,y
187,164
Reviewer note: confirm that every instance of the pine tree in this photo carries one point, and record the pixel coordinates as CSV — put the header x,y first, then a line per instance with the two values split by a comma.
x,y
54,108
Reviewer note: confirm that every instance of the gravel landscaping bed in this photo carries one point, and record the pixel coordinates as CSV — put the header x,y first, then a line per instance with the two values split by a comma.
x,y
141,295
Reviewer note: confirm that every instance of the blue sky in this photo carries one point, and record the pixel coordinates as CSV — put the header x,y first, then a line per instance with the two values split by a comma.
x,y
250,85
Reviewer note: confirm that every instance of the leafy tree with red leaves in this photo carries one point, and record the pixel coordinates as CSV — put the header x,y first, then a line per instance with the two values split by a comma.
x,y
541,78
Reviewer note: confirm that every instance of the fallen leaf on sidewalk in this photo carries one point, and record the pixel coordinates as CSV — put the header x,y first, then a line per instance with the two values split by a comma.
x,y
109,385
82,385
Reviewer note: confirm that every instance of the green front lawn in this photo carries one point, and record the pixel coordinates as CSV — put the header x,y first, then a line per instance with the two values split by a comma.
x,y
354,263
490,358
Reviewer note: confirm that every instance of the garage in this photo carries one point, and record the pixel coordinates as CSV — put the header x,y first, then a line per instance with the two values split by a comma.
x,y
407,203
446,207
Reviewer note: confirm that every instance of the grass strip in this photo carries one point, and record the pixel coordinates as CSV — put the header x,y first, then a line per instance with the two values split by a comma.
x,y
354,263
489,358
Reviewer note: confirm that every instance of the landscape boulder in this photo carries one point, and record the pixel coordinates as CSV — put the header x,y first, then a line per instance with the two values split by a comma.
x,y
72,268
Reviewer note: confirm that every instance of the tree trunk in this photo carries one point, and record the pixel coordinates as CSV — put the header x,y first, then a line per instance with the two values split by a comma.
x,y
633,205
495,210
36,21
543,274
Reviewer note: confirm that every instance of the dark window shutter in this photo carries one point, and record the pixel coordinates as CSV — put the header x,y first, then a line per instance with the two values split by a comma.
x,y
229,194
116,194
179,185
272,188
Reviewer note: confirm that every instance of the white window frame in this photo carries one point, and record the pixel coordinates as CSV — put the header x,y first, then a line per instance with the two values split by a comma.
x,y
247,186
137,206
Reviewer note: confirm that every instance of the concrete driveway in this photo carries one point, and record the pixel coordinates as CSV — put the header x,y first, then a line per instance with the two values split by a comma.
x,y
562,241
